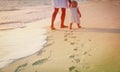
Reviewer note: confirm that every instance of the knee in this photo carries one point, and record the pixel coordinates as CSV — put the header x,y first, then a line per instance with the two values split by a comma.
x,y
63,11
55,11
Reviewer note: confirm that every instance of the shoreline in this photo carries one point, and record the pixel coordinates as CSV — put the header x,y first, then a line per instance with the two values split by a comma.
x,y
27,29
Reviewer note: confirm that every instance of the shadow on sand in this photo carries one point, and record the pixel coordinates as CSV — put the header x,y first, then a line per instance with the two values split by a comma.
x,y
101,30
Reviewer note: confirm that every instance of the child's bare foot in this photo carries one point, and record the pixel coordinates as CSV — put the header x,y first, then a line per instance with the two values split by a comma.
x,y
53,28
79,26
70,28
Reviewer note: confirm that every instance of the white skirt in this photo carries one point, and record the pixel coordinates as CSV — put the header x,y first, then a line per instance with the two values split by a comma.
x,y
74,17
60,3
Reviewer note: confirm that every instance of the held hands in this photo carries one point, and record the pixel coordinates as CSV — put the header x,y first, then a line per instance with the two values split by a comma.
x,y
69,4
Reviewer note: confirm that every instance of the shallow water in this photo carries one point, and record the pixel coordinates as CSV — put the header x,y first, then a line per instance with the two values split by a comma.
x,y
20,43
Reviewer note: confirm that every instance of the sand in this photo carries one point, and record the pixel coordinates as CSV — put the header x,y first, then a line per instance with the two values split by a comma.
x,y
93,48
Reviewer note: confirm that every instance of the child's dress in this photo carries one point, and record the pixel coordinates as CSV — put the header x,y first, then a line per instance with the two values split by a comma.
x,y
74,16
60,3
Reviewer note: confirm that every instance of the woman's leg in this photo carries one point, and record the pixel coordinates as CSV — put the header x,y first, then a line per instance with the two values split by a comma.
x,y
63,17
53,17
78,25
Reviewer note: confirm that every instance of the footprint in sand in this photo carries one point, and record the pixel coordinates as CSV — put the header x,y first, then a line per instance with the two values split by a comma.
x,y
77,60
89,40
68,35
21,67
73,69
72,56
41,61
72,43
75,49
65,39
85,53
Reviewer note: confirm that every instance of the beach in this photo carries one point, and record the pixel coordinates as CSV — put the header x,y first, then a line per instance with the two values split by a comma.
x,y
14,18
93,48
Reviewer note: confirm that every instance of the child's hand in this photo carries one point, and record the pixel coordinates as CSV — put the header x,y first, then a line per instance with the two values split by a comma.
x,y
70,5
79,12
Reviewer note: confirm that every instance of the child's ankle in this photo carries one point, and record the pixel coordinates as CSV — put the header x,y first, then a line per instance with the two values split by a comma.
x,y
79,26
70,27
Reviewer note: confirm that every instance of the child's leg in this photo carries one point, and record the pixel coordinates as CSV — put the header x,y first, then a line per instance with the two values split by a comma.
x,y
71,25
78,25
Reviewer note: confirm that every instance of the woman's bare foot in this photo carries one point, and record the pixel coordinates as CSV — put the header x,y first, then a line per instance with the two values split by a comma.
x,y
78,25
64,26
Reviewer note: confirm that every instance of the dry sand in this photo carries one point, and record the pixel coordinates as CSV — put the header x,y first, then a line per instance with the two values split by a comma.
x,y
93,48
